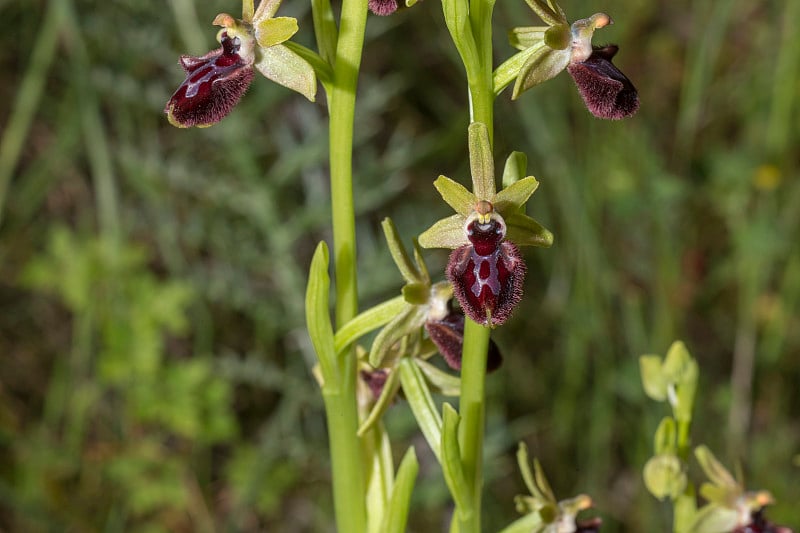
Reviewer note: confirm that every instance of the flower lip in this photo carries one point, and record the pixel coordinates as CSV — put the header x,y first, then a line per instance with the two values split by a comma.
x,y
605,90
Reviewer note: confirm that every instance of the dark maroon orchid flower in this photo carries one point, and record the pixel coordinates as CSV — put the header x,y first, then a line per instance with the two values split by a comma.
x,y
383,7
605,90
448,335
488,273
214,84
760,524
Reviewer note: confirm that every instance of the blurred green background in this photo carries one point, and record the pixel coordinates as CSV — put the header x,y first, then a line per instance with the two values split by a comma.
x,y
154,369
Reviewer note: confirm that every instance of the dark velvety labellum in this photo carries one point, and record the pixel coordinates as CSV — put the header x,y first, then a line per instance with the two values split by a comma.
x,y
448,336
214,84
375,380
383,7
605,90
588,526
760,524
486,275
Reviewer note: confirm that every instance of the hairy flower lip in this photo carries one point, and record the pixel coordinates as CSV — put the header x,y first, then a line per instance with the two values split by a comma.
x,y
605,90
382,8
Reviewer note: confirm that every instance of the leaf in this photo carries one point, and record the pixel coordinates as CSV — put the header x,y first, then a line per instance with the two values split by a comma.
x,y
272,31
513,171
526,37
653,381
287,68
419,399
318,320
513,197
451,463
445,233
541,66
522,230
367,321
481,163
456,195
399,254
396,515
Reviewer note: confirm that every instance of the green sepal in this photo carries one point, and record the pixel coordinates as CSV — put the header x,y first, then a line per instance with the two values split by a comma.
x,y
530,523
481,163
419,398
541,482
664,476
440,381
522,230
713,469
456,195
287,68
388,392
416,293
514,196
445,233
513,171
266,9
272,31
508,71
321,67
653,380
396,516
452,468
366,321
666,437
713,519
421,266
525,37
523,462
542,65
550,13
558,37
318,320
399,254
410,319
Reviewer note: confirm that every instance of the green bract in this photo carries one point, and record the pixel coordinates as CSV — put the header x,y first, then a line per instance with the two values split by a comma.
x,y
522,230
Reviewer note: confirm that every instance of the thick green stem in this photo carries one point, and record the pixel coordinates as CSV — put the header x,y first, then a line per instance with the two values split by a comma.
x,y
349,486
476,337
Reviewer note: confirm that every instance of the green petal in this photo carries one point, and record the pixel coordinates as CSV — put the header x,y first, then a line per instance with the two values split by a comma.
x,y
270,32
524,231
510,199
545,64
456,195
446,233
286,68
481,163
524,38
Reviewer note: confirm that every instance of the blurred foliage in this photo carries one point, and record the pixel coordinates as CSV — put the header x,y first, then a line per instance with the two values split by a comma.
x,y
155,372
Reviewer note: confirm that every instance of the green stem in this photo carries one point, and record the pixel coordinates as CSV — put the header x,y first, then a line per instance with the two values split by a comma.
x,y
476,337
349,486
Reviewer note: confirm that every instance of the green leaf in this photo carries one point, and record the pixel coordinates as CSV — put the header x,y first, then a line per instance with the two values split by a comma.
x,y
664,476
416,391
526,37
272,31
653,380
377,451
396,517
318,320
284,67
714,519
456,195
481,163
713,469
442,382
325,30
513,171
513,197
445,233
541,66
410,319
522,230
399,254
388,392
367,321
451,463
666,437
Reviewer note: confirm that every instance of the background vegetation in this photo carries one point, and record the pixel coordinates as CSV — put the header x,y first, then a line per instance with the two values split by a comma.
x,y
154,370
